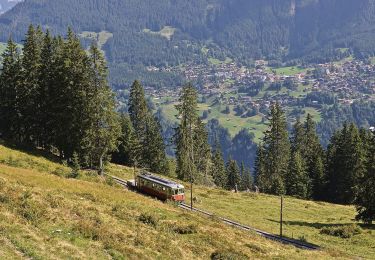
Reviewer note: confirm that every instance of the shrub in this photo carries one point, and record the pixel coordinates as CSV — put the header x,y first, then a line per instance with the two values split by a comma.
x,y
345,231
183,230
29,209
148,219
227,255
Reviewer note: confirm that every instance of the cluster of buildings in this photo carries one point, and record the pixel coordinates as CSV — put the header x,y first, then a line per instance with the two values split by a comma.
x,y
348,81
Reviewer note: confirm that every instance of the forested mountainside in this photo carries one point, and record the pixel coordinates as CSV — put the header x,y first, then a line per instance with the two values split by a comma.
x,y
136,34
5,5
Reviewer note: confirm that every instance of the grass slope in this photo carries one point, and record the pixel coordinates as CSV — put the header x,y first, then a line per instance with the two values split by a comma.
x,y
303,219
44,215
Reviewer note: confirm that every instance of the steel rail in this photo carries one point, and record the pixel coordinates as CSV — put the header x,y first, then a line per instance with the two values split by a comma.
x,y
284,240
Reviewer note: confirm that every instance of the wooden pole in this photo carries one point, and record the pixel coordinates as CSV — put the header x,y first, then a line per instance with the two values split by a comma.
x,y
281,216
191,192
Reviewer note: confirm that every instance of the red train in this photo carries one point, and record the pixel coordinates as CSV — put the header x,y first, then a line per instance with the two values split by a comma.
x,y
159,187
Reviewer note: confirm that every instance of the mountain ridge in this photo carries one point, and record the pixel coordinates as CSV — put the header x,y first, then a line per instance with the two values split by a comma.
x,y
243,30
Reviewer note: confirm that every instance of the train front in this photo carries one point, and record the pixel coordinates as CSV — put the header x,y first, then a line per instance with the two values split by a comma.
x,y
179,193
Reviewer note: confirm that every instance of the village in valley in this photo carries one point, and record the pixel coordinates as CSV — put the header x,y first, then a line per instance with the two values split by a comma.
x,y
343,82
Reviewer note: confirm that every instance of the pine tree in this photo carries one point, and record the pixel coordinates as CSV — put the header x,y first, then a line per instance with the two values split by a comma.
x,y
101,121
218,170
260,170
298,140
246,182
297,180
346,159
276,149
129,150
148,131
184,138
30,89
365,190
154,148
233,175
71,102
10,120
46,82
202,151
313,155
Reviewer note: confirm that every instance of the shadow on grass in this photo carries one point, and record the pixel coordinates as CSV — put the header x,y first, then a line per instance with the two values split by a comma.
x,y
31,151
318,225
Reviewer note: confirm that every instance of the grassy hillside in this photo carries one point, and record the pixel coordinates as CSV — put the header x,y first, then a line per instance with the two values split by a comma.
x,y
44,215
304,220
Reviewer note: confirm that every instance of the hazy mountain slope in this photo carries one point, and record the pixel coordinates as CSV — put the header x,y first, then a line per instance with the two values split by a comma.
x,y
6,5
171,32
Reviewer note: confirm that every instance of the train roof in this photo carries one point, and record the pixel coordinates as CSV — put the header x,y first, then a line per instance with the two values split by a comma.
x,y
164,182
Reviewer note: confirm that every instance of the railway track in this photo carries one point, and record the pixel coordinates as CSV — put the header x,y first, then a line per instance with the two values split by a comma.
x,y
284,240
119,181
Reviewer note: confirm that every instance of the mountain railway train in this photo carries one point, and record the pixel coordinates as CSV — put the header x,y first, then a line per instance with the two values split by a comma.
x,y
158,187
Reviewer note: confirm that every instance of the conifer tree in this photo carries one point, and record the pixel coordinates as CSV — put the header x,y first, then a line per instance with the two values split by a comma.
x,y
346,159
218,170
101,121
202,151
184,138
71,105
313,155
365,190
260,168
30,88
154,148
246,182
148,131
233,175
46,82
10,120
129,150
276,153
297,179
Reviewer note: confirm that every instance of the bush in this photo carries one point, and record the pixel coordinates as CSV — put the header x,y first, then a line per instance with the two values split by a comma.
x,y
345,231
226,255
148,219
29,209
184,230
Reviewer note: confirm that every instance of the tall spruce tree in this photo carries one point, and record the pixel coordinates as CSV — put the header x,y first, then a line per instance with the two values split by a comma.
x,y
246,182
276,147
10,121
202,151
46,83
297,180
29,93
148,131
185,133
313,154
260,168
101,122
346,159
129,150
71,105
233,175
365,190
218,171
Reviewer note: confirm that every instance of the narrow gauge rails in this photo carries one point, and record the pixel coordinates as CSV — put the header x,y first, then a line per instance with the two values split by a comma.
x,y
159,187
